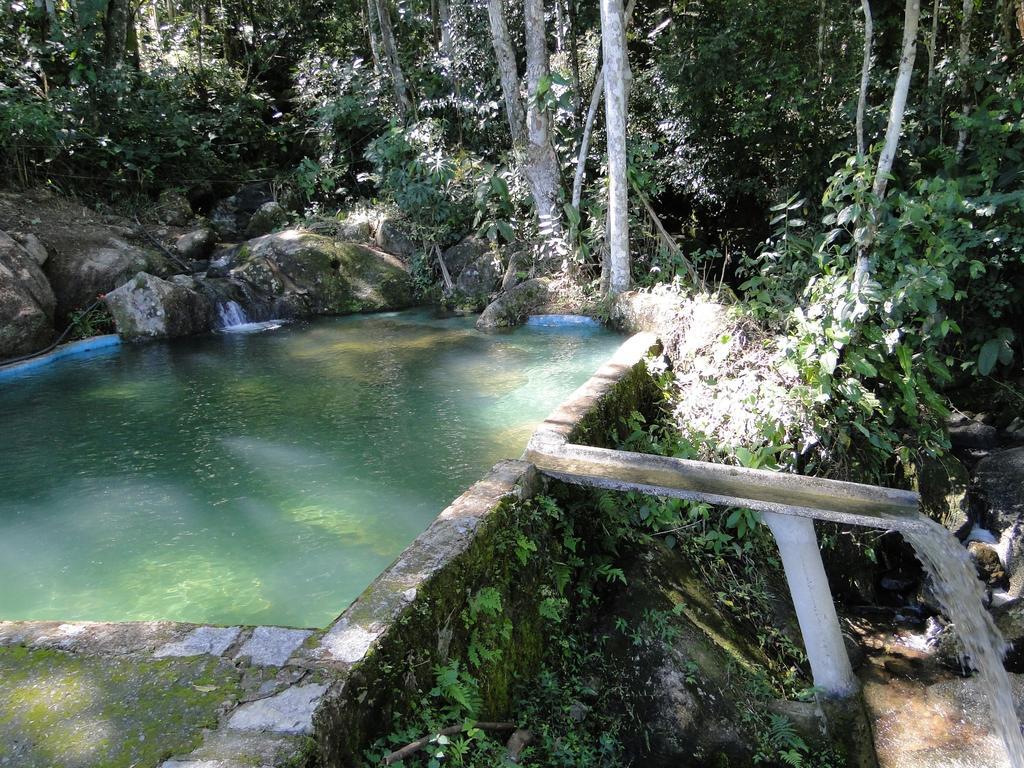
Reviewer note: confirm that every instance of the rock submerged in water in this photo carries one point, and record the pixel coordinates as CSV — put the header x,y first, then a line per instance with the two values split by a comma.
x,y
26,301
148,307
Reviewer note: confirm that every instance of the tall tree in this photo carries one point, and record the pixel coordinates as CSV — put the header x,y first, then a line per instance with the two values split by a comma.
x,y
964,71
387,38
616,99
865,76
508,71
893,131
115,32
541,162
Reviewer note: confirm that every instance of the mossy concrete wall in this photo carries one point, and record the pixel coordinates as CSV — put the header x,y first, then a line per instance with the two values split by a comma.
x,y
411,618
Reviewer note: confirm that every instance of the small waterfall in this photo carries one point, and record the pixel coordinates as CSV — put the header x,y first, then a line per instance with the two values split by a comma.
x,y
230,313
961,594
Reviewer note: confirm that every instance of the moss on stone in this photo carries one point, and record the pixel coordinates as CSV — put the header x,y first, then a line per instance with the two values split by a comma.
x,y
62,710
606,424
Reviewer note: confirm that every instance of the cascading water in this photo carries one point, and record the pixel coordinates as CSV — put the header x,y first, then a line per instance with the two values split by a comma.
x,y
230,313
960,594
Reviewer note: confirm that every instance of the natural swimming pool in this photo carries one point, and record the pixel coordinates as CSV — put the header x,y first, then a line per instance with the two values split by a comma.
x,y
260,478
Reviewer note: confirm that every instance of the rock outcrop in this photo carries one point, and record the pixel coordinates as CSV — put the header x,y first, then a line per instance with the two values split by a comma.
x,y
514,306
305,274
26,301
996,499
392,237
148,307
80,273
480,277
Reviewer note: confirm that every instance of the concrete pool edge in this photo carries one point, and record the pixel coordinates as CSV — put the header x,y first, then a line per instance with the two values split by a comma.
x,y
306,693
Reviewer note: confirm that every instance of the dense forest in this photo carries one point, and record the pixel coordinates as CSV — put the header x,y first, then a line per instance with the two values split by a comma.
x,y
844,180
754,144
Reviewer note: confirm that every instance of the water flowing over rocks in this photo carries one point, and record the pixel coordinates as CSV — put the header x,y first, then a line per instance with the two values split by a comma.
x,y
997,503
26,301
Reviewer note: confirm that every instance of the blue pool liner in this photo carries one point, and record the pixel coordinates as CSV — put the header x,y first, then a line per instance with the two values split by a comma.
x,y
72,349
562,321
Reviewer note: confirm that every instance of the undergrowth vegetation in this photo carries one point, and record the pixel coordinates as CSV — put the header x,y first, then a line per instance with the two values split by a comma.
x,y
589,705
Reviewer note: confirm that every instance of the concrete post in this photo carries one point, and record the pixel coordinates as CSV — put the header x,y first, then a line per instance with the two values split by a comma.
x,y
819,625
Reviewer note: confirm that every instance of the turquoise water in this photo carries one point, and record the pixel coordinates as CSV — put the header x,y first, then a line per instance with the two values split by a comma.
x,y
258,478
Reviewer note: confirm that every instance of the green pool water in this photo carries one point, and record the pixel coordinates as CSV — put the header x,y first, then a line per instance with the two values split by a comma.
x,y
260,478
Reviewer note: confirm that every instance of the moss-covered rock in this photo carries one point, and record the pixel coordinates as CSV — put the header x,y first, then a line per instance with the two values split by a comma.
x,y
513,307
306,274
942,483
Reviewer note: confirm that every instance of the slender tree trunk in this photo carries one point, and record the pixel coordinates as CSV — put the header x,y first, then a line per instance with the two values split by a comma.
x,y
559,27
865,77
371,16
822,31
574,53
115,33
965,86
387,37
508,71
445,14
933,40
132,41
588,126
894,129
911,17
616,99
541,162
154,23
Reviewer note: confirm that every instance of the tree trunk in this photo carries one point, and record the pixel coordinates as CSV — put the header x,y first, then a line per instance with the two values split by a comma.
x,y
115,33
588,126
894,129
371,15
444,11
574,53
541,162
616,95
911,17
865,77
387,37
508,71
154,23
933,40
965,85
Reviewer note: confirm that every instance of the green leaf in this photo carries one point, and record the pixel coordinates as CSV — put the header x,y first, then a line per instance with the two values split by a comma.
x,y
988,356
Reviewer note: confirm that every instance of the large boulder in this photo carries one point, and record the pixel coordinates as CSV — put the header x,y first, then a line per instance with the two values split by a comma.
x,y
148,307
266,219
307,274
996,499
231,216
98,264
480,277
197,244
26,301
464,253
393,238
513,307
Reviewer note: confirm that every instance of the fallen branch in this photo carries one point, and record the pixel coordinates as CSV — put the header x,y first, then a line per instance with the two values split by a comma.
x,y
414,747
